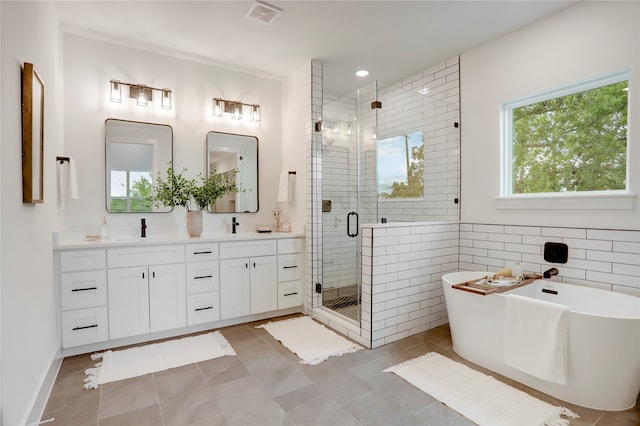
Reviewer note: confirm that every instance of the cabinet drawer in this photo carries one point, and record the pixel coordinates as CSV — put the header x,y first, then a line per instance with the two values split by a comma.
x,y
202,277
139,256
84,326
82,260
290,267
293,245
198,252
84,289
289,294
203,307
247,249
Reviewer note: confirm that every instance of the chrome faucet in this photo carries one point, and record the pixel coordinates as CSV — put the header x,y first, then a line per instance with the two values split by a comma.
x,y
234,224
143,228
550,273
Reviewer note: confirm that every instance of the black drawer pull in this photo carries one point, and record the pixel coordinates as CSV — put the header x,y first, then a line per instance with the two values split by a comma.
x,y
85,327
85,289
202,277
290,294
202,252
203,309
290,267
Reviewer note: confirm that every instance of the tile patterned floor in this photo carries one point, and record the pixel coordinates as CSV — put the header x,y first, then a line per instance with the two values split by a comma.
x,y
266,385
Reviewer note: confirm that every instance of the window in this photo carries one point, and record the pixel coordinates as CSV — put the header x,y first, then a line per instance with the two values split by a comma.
x,y
131,191
572,140
400,166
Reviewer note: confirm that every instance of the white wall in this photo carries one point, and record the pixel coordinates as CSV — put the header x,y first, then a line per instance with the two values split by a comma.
x,y
88,66
29,327
584,41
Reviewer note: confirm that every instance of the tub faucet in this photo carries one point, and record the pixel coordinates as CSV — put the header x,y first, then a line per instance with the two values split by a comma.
x,y
550,272
234,224
143,228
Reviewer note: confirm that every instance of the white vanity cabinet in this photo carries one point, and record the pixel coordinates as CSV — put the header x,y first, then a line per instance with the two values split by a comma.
x,y
83,288
248,278
119,293
203,283
147,289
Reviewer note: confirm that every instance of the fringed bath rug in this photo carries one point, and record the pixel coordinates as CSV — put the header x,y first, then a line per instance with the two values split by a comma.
x,y
477,396
310,340
141,360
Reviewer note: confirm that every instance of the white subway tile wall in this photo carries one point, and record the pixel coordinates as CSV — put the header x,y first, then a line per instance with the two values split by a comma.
x,y
402,267
598,258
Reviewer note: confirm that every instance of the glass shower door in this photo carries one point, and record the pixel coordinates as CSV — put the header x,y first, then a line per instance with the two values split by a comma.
x,y
346,157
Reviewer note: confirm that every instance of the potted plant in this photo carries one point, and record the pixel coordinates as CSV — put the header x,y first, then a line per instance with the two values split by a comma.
x,y
194,195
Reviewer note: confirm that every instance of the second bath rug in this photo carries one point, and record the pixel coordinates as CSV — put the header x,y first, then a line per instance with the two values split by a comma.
x,y
477,396
310,340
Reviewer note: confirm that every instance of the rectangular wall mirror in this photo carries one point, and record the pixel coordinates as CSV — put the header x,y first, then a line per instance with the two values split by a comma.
x,y
227,152
134,154
32,135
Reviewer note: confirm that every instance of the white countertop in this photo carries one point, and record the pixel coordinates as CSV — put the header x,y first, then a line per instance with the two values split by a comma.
x,y
118,241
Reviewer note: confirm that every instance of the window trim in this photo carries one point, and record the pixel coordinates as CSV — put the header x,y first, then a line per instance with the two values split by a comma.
x,y
614,199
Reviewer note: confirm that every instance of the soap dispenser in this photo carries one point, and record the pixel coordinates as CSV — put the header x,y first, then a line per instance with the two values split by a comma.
x,y
104,229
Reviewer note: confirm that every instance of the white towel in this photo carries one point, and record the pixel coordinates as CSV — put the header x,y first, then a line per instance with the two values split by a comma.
x,y
283,188
535,338
73,180
67,180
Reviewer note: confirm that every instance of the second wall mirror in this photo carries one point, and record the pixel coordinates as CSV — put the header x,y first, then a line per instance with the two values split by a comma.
x,y
135,152
227,152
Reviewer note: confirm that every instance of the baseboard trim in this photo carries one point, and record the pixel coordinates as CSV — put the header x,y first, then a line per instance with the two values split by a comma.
x,y
45,390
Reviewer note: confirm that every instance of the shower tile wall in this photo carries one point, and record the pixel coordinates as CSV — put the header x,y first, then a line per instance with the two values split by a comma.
x,y
407,109
402,267
607,259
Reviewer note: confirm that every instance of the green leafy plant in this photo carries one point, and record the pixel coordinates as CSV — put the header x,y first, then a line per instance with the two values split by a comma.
x,y
201,192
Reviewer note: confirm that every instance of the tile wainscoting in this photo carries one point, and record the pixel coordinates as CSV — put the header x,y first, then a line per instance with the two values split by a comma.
x,y
402,264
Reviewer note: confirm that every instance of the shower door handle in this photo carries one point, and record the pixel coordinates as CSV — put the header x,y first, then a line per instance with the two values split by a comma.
x,y
349,233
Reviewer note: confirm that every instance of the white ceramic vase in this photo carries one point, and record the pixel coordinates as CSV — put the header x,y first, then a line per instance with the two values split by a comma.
x,y
194,223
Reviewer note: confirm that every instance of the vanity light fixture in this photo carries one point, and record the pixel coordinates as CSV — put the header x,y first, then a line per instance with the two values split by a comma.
x,y
235,109
141,93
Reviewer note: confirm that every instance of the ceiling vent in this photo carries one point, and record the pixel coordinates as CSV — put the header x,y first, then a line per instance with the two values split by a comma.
x,y
263,12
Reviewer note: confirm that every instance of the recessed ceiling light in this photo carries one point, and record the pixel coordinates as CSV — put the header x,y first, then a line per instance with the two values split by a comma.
x,y
362,73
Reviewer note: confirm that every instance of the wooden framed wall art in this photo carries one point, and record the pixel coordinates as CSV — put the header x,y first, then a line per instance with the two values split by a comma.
x,y
32,135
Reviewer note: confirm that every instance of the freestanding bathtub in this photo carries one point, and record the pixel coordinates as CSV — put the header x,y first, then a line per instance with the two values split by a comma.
x,y
603,339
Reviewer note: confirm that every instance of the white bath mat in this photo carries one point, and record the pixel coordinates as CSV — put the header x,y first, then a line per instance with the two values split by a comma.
x,y
310,340
480,398
138,361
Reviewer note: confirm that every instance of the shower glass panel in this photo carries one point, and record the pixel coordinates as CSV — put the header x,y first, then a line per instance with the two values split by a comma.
x,y
388,155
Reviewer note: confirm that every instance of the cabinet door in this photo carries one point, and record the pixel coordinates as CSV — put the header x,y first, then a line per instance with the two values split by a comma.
x,y
264,284
167,297
235,292
128,302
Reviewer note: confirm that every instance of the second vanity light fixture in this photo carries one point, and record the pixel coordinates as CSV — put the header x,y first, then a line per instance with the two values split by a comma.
x,y
235,108
141,93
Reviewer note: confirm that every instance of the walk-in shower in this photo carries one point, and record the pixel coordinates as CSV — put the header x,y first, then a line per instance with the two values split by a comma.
x,y
383,154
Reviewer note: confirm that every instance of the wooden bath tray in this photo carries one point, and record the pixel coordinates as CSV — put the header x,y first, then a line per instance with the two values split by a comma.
x,y
485,289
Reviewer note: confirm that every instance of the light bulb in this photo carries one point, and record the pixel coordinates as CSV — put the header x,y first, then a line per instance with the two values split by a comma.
x,y
116,94
237,111
142,99
255,113
218,107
